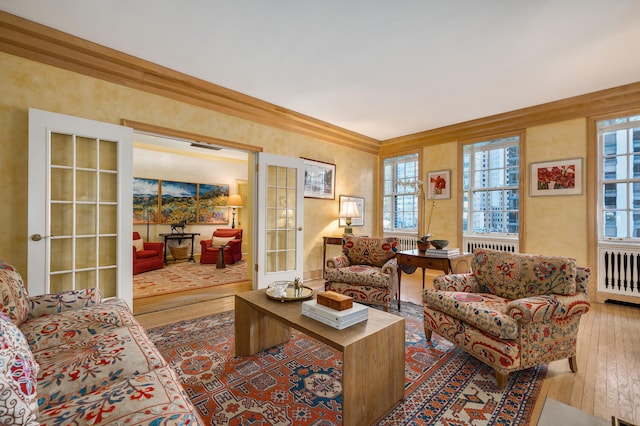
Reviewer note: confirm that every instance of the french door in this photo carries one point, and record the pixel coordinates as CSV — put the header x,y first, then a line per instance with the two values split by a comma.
x,y
79,224
280,207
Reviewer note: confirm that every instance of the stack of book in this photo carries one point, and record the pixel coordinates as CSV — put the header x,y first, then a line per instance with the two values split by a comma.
x,y
336,319
445,252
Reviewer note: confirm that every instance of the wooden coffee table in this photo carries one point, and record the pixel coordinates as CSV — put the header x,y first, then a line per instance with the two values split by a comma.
x,y
373,351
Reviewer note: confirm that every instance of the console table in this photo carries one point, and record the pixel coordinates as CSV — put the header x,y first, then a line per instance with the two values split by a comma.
x,y
410,260
179,237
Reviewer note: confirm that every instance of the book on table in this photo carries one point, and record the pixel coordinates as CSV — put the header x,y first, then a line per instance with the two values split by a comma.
x,y
443,252
334,318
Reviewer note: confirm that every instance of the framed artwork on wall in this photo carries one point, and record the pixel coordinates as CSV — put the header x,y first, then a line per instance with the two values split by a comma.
x,y
178,202
212,203
145,200
319,179
356,221
559,177
439,185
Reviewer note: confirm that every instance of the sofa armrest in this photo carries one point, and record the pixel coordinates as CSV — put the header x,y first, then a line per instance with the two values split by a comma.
x,y
68,300
548,306
159,247
390,266
457,282
339,261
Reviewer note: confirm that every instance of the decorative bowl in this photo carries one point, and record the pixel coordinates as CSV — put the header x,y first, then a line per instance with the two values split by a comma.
x,y
279,288
439,244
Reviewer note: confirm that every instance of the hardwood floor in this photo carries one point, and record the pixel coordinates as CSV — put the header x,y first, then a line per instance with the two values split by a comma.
x,y
607,382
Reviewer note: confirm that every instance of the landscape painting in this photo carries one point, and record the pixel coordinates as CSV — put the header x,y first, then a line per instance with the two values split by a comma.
x,y
212,201
178,202
145,200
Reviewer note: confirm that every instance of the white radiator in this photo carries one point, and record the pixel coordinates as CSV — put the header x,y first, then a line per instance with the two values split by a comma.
x,y
619,269
503,244
405,242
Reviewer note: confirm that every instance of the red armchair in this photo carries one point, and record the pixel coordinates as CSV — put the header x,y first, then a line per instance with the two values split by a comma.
x,y
149,258
233,251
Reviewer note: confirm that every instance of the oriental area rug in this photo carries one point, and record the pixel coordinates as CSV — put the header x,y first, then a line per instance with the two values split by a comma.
x,y
299,383
186,276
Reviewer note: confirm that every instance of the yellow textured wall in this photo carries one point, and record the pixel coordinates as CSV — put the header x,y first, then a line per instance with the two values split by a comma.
x,y
444,213
557,225
26,84
553,225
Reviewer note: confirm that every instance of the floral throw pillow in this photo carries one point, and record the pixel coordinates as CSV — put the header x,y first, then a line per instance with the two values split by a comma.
x,y
18,372
14,300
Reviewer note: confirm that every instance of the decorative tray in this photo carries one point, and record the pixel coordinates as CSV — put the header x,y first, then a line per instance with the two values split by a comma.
x,y
290,294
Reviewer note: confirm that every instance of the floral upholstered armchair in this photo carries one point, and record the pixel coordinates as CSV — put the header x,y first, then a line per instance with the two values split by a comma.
x,y
366,270
513,312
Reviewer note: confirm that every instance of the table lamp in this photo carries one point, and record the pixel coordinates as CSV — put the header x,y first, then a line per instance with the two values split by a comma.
x,y
235,202
349,211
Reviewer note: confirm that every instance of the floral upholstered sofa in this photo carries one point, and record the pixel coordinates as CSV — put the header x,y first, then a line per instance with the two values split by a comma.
x,y
73,359
367,270
513,312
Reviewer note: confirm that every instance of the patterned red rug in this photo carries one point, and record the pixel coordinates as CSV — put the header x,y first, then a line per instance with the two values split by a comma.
x,y
186,276
298,383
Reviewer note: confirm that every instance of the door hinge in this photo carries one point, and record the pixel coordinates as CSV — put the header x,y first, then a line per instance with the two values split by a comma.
x,y
255,267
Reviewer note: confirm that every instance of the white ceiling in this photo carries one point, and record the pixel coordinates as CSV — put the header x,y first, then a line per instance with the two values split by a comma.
x,y
377,67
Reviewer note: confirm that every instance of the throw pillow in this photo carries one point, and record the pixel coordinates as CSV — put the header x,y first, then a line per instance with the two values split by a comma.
x,y
220,241
18,372
138,244
14,300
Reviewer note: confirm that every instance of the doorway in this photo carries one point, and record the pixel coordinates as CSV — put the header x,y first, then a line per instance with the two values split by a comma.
x,y
167,158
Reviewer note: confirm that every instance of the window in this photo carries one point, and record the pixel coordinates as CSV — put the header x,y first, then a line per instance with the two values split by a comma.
x,y
491,171
400,193
619,171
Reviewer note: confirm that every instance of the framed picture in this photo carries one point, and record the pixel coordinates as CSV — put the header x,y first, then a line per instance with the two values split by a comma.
x,y
356,221
560,177
212,203
319,179
439,185
178,202
145,200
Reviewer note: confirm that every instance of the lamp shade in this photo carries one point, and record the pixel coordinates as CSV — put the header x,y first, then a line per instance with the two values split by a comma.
x,y
234,200
350,209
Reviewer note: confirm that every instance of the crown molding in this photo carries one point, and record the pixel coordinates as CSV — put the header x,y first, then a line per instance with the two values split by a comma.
x,y
33,41
596,103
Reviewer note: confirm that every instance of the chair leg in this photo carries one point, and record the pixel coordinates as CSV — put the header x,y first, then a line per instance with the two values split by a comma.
x,y
502,379
427,334
573,364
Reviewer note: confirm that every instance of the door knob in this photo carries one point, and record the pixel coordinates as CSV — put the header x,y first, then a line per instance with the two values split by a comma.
x,y
38,237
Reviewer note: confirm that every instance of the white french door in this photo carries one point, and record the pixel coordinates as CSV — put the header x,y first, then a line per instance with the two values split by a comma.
x,y
280,207
80,186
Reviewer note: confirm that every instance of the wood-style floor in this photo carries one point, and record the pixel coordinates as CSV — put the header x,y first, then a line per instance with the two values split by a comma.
x,y
607,382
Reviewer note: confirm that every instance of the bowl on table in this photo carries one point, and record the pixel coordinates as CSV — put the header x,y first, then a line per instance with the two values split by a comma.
x,y
439,244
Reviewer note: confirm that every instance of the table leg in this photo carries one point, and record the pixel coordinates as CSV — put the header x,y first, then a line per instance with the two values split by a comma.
x,y
221,264
423,278
255,331
366,396
165,250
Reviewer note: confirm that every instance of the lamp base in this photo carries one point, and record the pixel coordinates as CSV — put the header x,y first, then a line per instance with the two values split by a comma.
x,y
348,230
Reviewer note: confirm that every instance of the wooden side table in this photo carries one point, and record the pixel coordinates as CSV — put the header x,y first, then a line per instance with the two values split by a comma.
x,y
221,264
410,260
